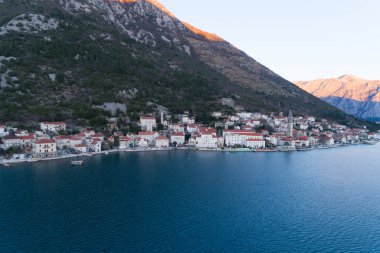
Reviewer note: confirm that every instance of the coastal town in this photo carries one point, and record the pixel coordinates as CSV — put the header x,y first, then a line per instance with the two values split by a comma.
x,y
240,132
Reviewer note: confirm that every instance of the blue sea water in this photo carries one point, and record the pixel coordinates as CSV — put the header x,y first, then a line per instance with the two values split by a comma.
x,y
183,201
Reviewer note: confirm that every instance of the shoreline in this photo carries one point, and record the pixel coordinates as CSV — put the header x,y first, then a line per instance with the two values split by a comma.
x,y
7,163
34,160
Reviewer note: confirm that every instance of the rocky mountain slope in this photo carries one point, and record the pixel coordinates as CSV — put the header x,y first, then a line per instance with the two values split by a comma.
x,y
354,95
69,59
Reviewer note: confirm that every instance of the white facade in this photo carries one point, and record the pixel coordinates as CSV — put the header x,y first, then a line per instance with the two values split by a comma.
x,y
255,143
3,132
141,143
44,148
62,141
148,123
149,136
287,142
10,142
74,142
53,126
179,128
95,146
217,114
233,139
81,148
245,115
162,142
126,142
207,141
22,133
192,128
185,119
27,140
178,138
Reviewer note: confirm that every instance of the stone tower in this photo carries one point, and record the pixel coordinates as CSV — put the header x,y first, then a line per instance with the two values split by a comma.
x,y
290,124
162,117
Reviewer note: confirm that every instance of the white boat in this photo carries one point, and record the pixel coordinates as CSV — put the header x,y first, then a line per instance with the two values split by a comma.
x,y
6,164
76,163
369,142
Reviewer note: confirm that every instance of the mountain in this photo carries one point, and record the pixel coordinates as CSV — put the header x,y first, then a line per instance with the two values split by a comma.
x,y
353,95
83,59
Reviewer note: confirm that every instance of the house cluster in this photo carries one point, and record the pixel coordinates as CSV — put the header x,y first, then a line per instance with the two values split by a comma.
x,y
47,141
249,130
282,132
246,130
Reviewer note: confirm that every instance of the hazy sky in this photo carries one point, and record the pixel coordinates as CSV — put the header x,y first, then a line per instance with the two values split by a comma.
x,y
298,39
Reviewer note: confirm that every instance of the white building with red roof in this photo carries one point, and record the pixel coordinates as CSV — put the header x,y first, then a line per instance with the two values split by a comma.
x,y
20,133
207,139
53,126
141,143
88,133
239,137
62,141
11,142
162,142
97,136
192,128
74,141
255,143
302,141
177,128
44,148
177,138
81,148
95,145
288,142
27,140
148,123
149,136
126,142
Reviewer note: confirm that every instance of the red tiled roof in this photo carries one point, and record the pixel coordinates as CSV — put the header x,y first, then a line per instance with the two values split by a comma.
x,y
45,141
96,136
54,123
178,134
28,137
238,131
125,138
162,138
147,133
252,134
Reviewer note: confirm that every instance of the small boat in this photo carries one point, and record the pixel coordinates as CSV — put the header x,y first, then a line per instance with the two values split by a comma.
x,y
6,164
305,149
106,153
76,163
369,142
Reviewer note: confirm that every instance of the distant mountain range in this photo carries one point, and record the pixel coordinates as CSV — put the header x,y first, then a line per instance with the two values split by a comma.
x,y
353,95
69,59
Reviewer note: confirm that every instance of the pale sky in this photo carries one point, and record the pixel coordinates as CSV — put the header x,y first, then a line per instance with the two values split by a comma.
x,y
298,39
